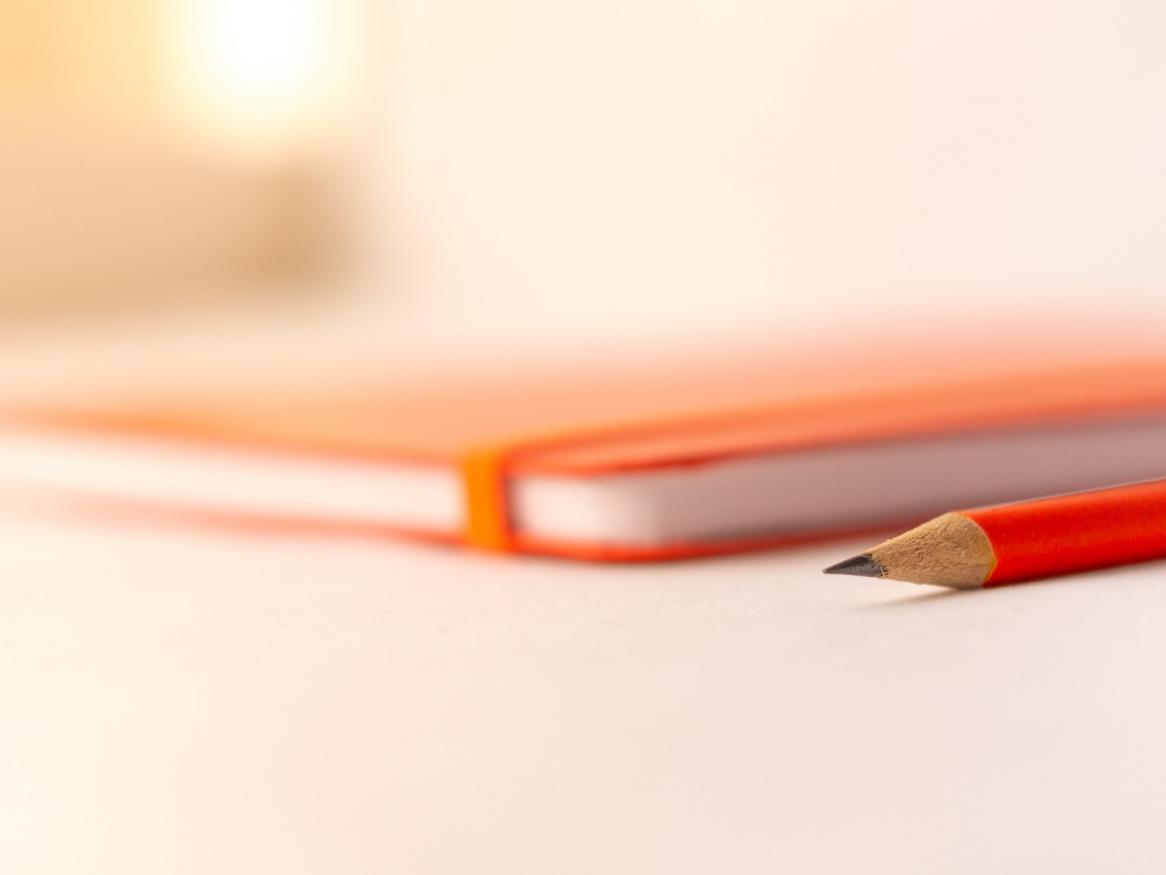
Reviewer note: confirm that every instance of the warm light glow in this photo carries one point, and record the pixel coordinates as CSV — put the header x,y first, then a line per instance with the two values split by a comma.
x,y
258,74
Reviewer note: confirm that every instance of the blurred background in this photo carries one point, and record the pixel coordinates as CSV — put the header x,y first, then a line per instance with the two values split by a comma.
x,y
434,173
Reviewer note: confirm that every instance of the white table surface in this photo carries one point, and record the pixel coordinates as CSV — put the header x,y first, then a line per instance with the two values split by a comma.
x,y
190,701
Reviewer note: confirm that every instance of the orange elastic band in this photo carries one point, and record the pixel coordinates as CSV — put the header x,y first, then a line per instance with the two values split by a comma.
x,y
487,501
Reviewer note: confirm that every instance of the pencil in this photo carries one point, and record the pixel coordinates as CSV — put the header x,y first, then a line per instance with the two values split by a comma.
x,y
1011,543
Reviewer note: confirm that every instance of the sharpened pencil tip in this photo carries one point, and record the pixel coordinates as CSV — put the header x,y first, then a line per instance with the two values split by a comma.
x,y
863,566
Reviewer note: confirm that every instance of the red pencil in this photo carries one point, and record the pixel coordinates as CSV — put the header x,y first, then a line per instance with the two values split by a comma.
x,y
1016,542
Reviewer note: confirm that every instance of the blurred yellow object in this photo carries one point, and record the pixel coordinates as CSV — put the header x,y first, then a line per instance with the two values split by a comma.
x,y
152,151
94,58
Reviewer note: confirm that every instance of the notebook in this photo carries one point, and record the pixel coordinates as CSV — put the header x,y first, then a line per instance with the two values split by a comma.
x,y
614,463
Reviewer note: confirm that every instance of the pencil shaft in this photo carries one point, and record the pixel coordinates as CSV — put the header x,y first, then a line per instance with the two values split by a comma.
x,y
1075,532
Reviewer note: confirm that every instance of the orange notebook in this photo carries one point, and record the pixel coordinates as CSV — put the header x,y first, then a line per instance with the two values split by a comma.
x,y
640,463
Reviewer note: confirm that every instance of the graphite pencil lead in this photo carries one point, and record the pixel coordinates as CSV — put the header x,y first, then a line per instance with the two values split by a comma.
x,y
863,566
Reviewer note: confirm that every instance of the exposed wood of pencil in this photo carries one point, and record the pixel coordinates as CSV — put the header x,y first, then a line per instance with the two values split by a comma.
x,y
950,550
